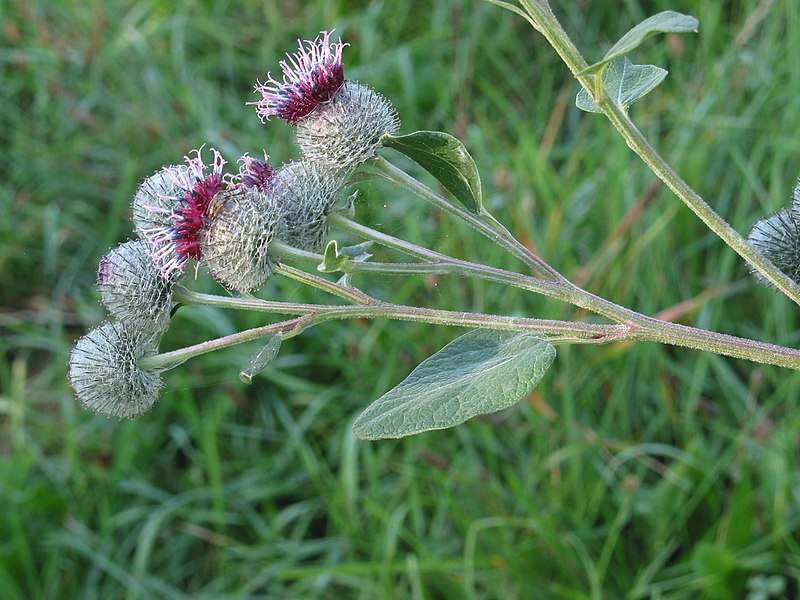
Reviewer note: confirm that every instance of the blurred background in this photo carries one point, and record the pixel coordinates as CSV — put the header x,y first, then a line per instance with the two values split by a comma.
x,y
633,471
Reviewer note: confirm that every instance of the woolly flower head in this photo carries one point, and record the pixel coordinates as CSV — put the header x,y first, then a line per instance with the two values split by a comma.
x,y
777,237
104,373
152,204
235,244
347,130
132,288
310,76
197,186
306,192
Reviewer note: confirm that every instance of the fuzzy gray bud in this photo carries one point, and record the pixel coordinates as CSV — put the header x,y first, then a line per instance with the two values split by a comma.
x,y
104,373
346,130
306,192
777,237
235,244
132,288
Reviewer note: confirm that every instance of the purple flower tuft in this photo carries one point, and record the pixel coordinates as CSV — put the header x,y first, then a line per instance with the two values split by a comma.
x,y
198,186
255,173
310,77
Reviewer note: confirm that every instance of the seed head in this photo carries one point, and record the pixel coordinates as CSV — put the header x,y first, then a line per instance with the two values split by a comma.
x,y
198,185
310,76
133,290
306,192
347,129
235,244
104,373
777,237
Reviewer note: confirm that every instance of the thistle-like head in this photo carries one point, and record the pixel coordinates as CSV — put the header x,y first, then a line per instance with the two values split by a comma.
x,y
310,77
197,185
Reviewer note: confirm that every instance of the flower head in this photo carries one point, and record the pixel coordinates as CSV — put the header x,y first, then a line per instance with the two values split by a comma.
x,y
236,242
348,129
778,238
132,288
306,192
104,373
152,204
255,173
197,186
310,76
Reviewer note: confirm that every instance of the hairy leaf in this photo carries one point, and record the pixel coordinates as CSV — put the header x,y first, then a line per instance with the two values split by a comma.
x,y
625,83
664,22
446,158
261,359
481,372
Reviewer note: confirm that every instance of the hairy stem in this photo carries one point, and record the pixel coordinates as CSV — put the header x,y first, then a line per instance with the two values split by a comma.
x,y
486,224
561,331
549,26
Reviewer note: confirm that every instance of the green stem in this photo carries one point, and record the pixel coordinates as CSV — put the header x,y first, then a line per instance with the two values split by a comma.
x,y
563,331
572,332
347,293
549,26
560,289
489,227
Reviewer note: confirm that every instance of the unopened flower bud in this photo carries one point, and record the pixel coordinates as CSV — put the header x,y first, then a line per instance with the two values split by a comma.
x,y
346,130
235,244
777,237
104,373
306,192
133,290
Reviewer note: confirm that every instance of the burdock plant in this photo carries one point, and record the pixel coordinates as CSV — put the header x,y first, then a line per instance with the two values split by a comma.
x,y
248,226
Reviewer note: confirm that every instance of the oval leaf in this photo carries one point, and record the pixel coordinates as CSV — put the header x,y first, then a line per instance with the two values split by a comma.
x,y
625,83
262,358
446,158
664,22
481,372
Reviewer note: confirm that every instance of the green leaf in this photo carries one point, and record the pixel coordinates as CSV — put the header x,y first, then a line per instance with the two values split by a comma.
x,y
625,83
334,258
446,158
481,372
664,22
262,358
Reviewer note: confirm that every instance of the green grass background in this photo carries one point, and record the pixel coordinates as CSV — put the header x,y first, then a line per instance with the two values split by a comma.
x,y
632,472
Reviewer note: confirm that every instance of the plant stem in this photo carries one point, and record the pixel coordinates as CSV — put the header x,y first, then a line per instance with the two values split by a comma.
x,y
488,226
549,26
560,289
573,332
645,329
352,294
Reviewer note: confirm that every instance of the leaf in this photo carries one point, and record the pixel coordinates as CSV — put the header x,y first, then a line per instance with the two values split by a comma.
x,y
335,258
481,372
664,22
262,358
446,158
625,83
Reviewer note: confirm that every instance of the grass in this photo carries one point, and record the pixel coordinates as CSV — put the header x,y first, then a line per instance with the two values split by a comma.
x,y
632,472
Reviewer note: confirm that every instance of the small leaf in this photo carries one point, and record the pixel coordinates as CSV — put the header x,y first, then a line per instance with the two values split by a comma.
x,y
664,22
625,83
334,259
481,372
446,158
261,359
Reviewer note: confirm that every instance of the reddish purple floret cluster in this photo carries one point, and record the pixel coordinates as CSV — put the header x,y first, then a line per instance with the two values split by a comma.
x,y
311,76
175,244
256,173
